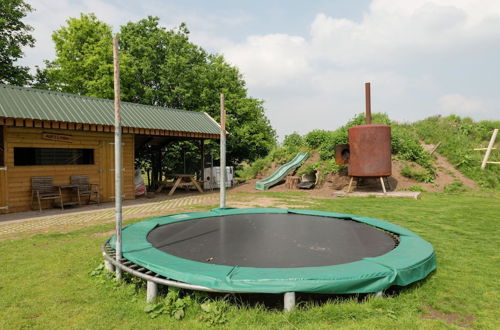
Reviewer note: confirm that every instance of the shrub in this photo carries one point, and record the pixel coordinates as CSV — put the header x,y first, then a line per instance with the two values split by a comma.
x,y
316,138
293,141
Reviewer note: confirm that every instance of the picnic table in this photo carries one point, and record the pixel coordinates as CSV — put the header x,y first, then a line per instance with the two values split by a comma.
x,y
184,180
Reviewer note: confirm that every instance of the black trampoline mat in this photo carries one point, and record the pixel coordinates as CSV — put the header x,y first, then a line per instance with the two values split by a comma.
x,y
271,240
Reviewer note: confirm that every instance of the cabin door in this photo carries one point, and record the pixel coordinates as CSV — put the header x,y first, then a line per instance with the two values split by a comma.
x,y
108,171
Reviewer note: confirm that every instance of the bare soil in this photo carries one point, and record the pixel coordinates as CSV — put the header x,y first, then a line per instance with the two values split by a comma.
x,y
445,175
463,321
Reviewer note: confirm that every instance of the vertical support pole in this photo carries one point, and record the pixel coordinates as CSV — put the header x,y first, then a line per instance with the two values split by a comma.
x,y
202,160
368,103
118,158
488,150
383,185
151,291
350,184
108,265
222,153
379,294
289,301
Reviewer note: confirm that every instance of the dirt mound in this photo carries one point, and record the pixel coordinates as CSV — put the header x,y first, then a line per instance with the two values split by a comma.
x,y
331,183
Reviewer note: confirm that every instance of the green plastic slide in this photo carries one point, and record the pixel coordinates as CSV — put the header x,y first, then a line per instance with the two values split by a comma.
x,y
281,172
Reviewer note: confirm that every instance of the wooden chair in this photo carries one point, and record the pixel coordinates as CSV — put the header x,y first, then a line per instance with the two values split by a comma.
x,y
85,188
42,187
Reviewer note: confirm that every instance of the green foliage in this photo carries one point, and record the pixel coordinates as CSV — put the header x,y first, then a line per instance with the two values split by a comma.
x,y
418,174
316,138
158,67
456,186
173,305
320,168
255,169
308,169
214,312
14,35
458,136
416,188
293,141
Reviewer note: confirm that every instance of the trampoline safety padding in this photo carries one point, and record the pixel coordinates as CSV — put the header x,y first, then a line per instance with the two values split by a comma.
x,y
273,251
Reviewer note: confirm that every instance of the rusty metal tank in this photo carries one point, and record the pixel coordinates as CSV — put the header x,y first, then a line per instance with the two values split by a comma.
x,y
370,151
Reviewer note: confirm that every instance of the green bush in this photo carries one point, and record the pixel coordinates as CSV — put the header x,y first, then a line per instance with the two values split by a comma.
x,y
293,141
316,138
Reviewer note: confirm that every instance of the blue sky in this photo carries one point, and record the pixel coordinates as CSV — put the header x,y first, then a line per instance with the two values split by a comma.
x,y
308,60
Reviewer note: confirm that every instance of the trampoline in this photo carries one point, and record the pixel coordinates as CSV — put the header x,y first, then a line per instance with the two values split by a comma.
x,y
273,251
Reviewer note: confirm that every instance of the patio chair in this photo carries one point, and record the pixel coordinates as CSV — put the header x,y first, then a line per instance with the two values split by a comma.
x,y
42,187
85,188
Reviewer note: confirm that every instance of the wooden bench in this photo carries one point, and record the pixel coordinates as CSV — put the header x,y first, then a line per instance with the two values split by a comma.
x,y
85,188
42,187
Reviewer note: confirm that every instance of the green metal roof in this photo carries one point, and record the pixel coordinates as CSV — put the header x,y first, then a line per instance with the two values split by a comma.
x,y
30,103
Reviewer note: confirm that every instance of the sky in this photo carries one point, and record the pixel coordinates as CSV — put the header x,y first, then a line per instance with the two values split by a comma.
x,y
309,60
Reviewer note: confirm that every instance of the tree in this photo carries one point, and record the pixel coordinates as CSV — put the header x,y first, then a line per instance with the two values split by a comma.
x,y
14,35
163,68
84,59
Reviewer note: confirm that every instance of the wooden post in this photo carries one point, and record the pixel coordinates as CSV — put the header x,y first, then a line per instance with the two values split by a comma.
x,y
118,158
490,146
202,159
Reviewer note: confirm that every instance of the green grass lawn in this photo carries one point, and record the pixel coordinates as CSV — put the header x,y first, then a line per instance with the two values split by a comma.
x,y
45,280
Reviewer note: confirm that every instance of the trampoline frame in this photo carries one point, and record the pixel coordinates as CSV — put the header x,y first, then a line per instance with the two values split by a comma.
x,y
405,272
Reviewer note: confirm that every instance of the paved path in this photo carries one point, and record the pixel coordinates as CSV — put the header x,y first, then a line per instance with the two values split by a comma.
x,y
40,224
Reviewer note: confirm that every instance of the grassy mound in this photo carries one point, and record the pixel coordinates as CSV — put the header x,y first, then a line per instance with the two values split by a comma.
x,y
458,136
405,146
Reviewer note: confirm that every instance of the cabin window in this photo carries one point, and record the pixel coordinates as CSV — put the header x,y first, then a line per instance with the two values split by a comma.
x,y
52,156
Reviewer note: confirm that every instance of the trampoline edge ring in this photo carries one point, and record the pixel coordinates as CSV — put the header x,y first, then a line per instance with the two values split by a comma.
x,y
411,260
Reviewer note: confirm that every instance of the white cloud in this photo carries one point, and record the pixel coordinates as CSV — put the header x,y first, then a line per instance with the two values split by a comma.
x,y
477,107
270,60
407,49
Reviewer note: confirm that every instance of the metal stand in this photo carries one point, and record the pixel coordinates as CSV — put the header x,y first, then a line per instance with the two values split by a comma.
x,y
151,291
381,182
350,184
289,301
379,295
383,185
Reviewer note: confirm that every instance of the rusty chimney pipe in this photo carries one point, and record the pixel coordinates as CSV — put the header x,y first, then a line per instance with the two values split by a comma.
x,y
368,104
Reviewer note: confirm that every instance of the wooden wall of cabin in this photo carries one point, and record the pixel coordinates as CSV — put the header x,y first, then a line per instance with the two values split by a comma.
x,y
101,172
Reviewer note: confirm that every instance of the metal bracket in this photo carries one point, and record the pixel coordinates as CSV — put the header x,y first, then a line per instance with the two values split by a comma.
x,y
4,207
3,168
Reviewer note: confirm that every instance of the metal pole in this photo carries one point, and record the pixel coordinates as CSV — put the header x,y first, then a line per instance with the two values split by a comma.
x,y
490,146
289,301
118,158
368,103
222,153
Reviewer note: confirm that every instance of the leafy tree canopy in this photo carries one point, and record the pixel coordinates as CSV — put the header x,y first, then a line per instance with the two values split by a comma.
x,y
14,35
158,67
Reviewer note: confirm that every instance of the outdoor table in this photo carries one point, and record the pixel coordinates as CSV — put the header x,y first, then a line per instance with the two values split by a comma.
x,y
178,182
68,187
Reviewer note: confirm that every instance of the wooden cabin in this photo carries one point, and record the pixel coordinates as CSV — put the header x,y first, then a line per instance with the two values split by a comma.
x,y
53,134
